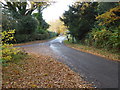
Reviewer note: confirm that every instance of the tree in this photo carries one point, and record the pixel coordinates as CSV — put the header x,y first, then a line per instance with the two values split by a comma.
x,y
110,17
58,26
27,25
106,6
19,9
106,33
42,24
21,12
80,19
8,22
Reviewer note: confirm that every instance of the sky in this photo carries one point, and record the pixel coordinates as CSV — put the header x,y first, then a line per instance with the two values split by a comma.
x,y
56,10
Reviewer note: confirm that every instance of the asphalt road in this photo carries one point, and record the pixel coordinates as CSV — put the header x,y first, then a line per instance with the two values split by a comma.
x,y
100,71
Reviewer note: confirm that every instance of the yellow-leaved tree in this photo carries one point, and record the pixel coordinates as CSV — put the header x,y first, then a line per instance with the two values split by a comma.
x,y
110,16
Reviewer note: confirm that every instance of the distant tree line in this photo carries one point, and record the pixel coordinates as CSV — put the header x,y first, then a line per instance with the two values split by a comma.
x,y
58,26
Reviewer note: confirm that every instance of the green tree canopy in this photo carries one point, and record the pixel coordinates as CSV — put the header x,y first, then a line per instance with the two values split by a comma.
x,y
19,9
42,24
80,18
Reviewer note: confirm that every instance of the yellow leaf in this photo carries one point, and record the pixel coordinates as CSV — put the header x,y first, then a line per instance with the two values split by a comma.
x,y
45,74
33,86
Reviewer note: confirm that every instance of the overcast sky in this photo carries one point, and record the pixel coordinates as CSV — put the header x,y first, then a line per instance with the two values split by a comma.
x,y
56,10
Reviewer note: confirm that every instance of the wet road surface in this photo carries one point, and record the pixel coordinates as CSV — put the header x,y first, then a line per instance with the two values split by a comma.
x,y
102,72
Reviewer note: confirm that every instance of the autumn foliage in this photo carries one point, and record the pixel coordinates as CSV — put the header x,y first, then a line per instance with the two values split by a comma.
x,y
110,16
7,49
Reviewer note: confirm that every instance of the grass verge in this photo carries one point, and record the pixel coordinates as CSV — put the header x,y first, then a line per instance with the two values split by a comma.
x,y
15,58
92,50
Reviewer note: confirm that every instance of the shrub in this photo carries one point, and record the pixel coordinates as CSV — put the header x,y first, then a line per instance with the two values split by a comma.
x,y
114,39
52,34
30,37
7,49
22,38
103,38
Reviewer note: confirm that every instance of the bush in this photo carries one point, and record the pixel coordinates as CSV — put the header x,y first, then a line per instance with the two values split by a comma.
x,y
30,37
104,39
21,38
41,36
7,49
52,34
114,39
100,37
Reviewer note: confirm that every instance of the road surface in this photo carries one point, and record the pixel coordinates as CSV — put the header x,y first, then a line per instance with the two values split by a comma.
x,y
100,71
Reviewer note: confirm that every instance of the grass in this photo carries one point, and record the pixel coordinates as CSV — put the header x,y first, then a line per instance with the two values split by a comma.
x,y
90,49
20,56
15,58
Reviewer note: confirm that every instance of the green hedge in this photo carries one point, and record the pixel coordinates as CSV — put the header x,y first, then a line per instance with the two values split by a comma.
x,y
21,38
30,37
